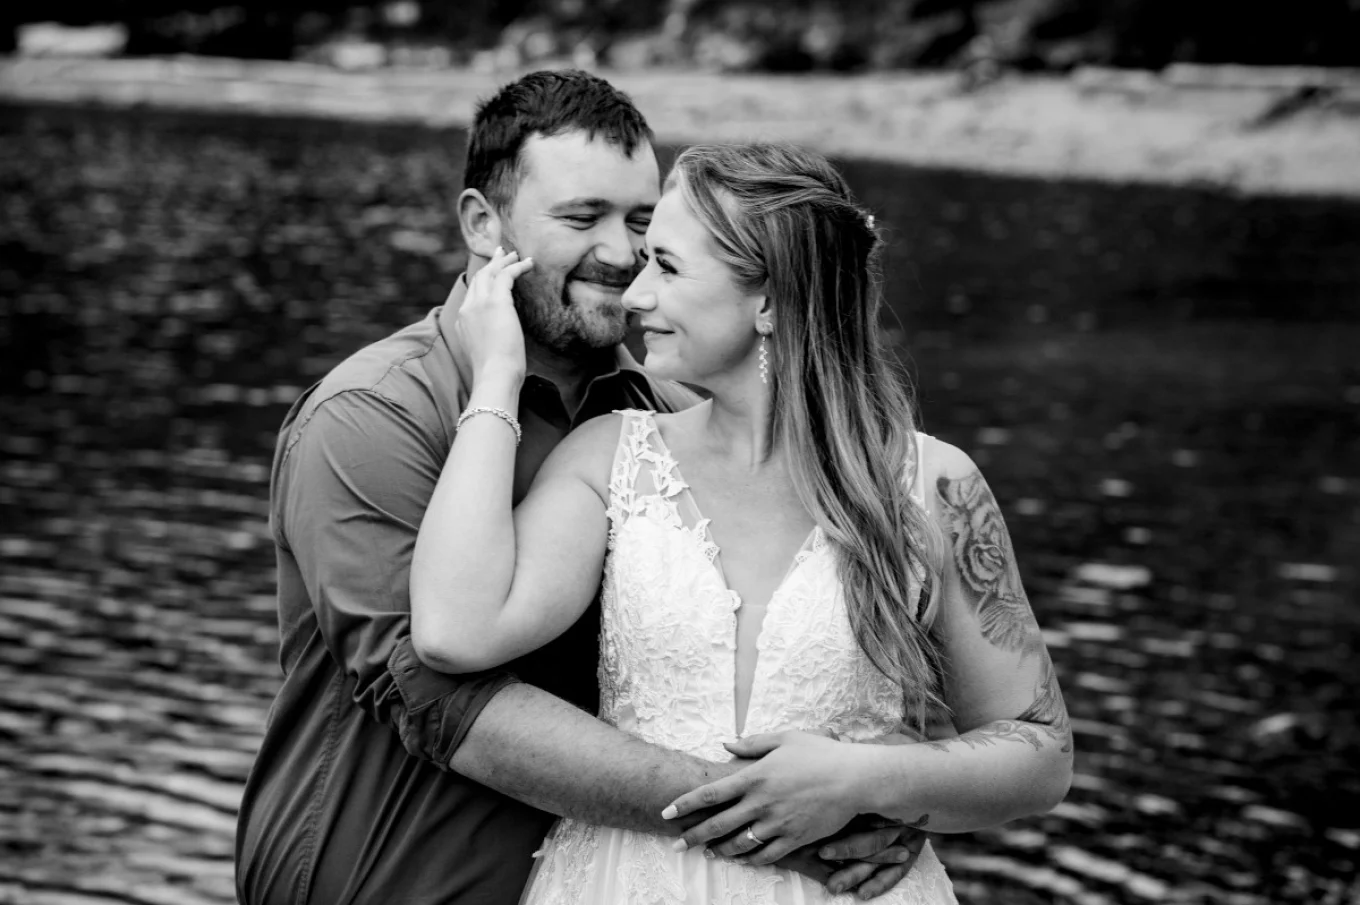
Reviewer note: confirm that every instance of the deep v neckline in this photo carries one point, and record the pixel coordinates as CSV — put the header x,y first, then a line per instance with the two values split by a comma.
x,y
706,543
804,551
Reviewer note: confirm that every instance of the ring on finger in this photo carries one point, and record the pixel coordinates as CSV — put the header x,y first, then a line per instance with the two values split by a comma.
x,y
752,838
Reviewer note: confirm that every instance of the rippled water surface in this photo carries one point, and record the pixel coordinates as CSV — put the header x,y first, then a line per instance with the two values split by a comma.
x,y
1162,387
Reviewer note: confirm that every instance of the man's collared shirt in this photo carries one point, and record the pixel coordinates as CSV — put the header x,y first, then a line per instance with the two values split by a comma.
x,y
351,798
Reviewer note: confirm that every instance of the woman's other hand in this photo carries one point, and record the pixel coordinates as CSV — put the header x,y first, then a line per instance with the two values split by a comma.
x,y
798,792
488,326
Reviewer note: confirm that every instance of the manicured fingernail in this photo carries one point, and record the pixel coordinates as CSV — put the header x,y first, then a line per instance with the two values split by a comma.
x,y
828,854
679,845
708,853
670,812
836,888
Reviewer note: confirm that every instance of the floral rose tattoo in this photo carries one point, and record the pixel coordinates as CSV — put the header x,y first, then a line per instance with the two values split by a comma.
x,y
991,584
986,563
1049,711
1046,716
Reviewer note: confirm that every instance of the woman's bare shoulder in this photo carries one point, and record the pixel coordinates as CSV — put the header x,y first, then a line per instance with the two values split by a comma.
x,y
944,460
588,451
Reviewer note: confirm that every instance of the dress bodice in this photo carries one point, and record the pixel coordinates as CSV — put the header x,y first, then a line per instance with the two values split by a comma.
x,y
668,639
667,675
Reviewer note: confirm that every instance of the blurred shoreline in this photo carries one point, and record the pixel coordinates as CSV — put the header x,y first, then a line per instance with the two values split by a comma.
x,y
1291,132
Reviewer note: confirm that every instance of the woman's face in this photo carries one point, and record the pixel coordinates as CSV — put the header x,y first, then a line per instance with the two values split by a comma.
x,y
698,324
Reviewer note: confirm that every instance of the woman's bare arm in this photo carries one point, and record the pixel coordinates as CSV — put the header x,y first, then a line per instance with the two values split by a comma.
x,y
1012,758
489,584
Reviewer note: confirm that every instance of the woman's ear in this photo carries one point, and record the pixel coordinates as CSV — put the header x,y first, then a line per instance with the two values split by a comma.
x,y
764,313
480,222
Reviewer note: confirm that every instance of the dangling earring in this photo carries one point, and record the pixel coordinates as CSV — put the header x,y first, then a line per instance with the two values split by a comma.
x,y
764,360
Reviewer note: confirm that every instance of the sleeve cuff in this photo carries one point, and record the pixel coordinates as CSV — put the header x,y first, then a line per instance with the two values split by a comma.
x,y
438,708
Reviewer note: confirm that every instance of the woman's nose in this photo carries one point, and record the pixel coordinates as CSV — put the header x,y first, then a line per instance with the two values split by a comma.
x,y
638,296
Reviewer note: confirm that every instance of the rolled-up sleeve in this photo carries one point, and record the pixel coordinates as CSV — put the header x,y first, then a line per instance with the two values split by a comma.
x,y
350,494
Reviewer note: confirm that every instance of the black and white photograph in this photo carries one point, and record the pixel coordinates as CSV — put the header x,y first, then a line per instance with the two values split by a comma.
x,y
680,452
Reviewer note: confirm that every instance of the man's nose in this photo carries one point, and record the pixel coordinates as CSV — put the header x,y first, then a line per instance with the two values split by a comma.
x,y
616,248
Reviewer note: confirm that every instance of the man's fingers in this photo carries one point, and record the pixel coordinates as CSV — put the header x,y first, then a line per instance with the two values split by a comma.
x,y
893,854
915,849
884,880
850,876
859,846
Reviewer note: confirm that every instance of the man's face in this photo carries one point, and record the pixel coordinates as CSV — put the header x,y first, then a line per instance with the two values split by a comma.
x,y
580,211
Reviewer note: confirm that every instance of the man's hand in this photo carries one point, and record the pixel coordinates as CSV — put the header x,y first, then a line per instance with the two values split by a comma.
x,y
871,856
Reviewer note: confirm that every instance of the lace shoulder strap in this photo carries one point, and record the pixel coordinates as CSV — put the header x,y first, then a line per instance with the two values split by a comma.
x,y
628,459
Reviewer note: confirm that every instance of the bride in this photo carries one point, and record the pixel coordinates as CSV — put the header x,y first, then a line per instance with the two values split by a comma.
x,y
789,568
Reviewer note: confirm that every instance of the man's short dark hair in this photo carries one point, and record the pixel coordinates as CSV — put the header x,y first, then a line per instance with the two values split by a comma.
x,y
547,103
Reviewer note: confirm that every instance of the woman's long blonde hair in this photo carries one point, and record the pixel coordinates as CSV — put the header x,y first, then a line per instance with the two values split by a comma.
x,y
785,221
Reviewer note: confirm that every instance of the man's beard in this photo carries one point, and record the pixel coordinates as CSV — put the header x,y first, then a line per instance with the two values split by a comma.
x,y
554,321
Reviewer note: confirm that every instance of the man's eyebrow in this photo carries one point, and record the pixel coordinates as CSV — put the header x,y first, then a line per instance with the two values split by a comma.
x,y
595,204
598,205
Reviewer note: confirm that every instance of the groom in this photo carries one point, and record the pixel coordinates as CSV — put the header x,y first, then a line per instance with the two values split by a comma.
x,y
379,779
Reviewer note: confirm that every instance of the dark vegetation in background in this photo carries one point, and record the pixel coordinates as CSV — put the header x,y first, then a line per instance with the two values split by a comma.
x,y
774,35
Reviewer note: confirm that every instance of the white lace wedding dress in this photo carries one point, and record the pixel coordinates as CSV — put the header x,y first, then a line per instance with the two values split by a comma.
x,y
667,664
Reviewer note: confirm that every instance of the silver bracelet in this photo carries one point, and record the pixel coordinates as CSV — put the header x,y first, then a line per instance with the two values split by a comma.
x,y
492,410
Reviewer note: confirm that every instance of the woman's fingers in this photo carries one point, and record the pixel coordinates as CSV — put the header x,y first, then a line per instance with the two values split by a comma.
x,y
719,826
753,746
772,851
511,272
501,262
499,258
716,792
751,840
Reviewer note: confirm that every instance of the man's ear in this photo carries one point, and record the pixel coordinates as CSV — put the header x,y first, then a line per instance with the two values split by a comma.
x,y
480,222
